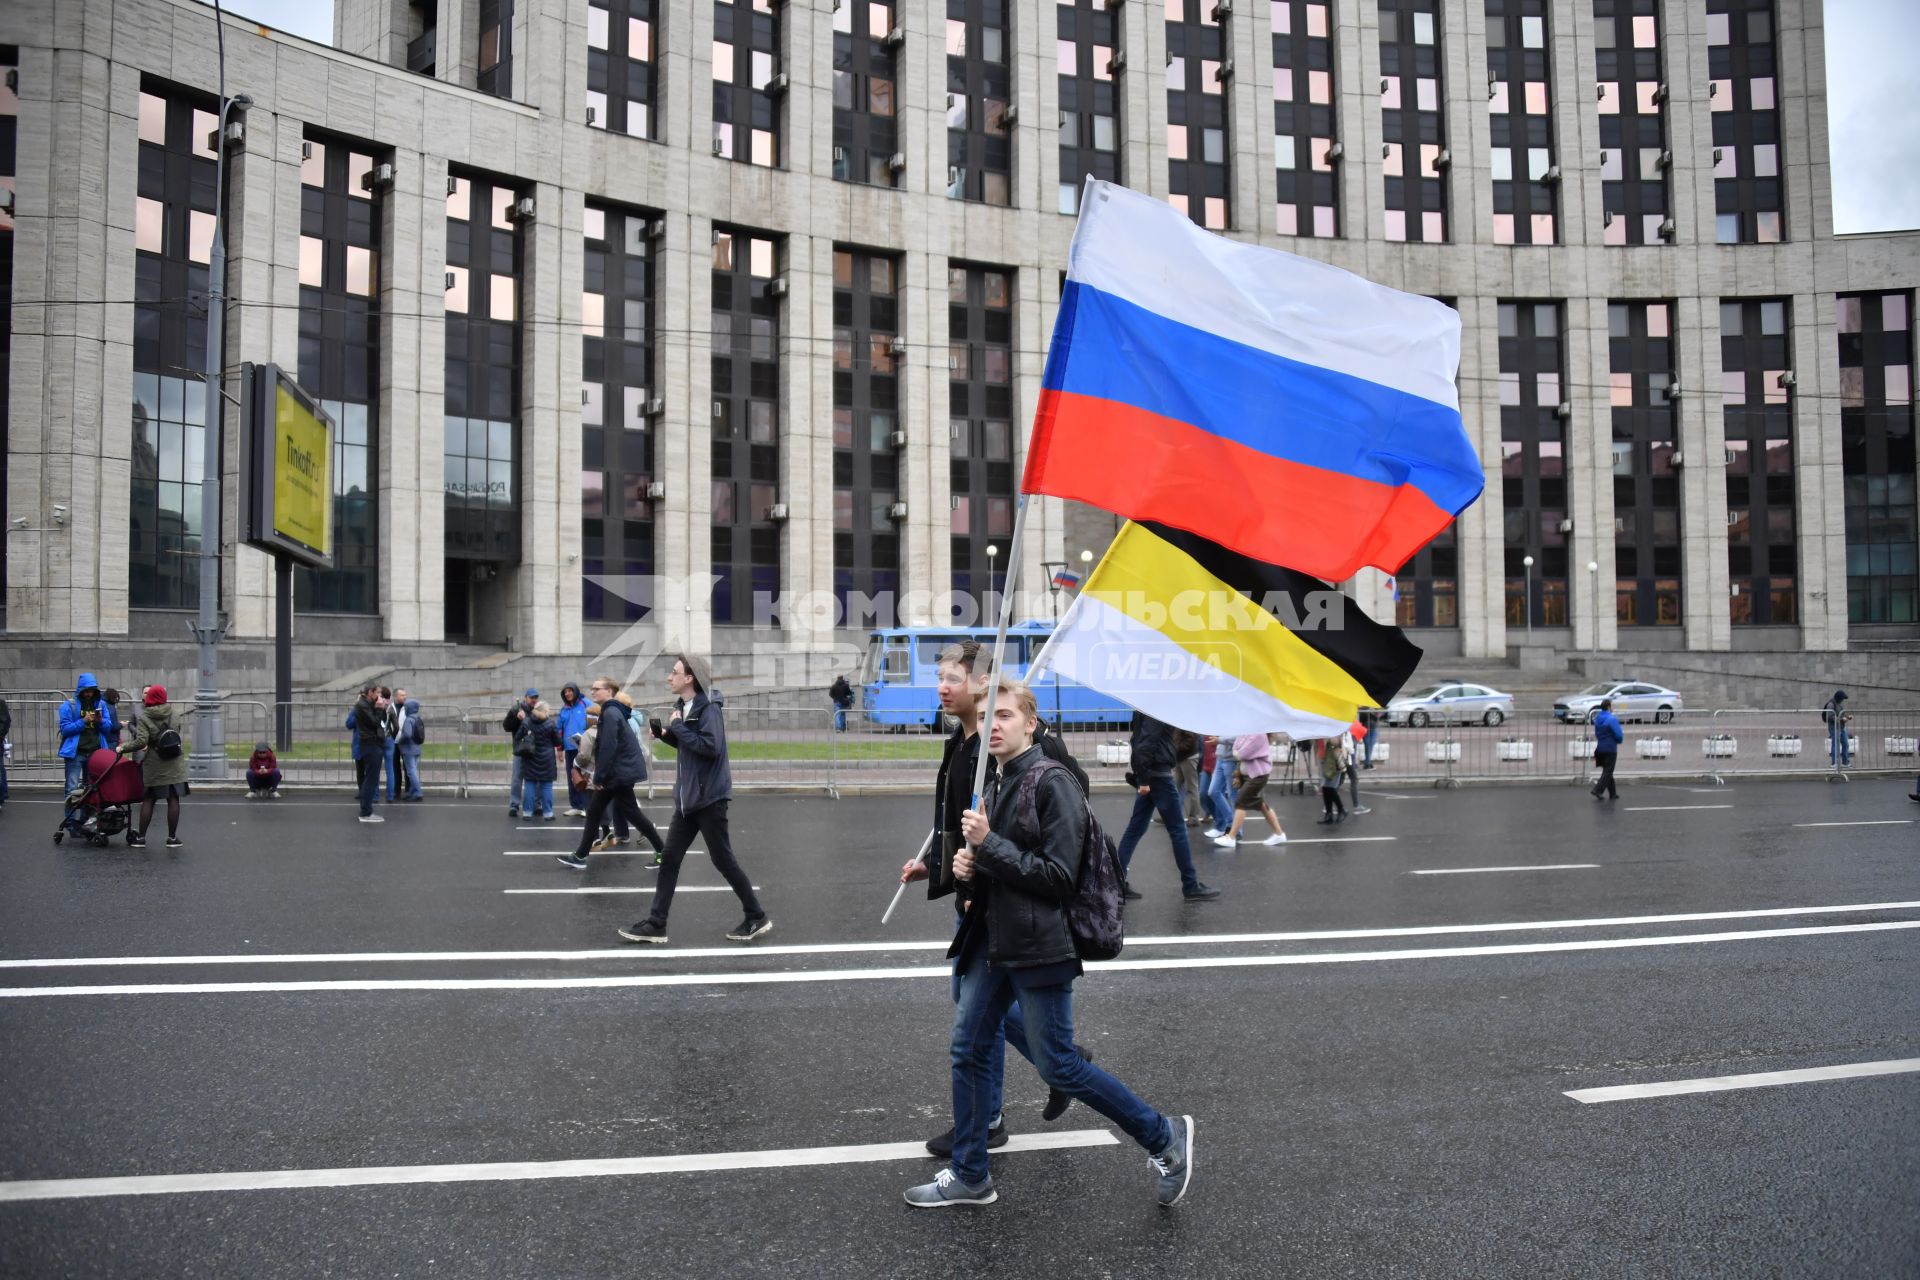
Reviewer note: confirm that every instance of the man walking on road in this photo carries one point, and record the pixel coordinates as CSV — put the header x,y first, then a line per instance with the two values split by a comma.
x,y
1151,775
1607,737
1023,864
702,788
619,764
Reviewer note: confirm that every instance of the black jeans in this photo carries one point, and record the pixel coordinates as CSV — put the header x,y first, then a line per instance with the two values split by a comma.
x,y
1330,798
368,766
1606,759
710,823
625,806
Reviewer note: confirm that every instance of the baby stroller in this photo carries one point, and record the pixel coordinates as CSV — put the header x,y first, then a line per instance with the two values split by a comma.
x,y
114,785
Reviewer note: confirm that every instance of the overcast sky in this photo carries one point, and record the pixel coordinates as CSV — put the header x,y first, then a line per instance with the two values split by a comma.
x,y
1875,129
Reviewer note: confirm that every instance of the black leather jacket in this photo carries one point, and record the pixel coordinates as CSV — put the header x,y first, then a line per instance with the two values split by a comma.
x,y
1151,754
1023,879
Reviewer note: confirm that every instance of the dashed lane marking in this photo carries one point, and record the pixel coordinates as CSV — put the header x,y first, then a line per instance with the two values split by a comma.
x,y
1751,1080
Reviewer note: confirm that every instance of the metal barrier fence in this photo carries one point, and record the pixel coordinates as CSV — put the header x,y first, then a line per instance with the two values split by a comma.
x,y
468,752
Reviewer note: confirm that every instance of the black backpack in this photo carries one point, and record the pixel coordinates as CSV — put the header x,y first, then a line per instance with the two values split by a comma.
x,y
167,743
420,729
1095,913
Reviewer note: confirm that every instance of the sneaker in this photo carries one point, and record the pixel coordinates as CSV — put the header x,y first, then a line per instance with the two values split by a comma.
x,y
1365,808
658,860
1174,1165
645,931
576,813
1199,892
513,812
1213,833
572,860
945,1189
1324,822
273,795
135,841
547,818
371,817
1130,893
174,842
750,928
1277,838
1058,1102
942,1146
603,844
1914,796
1226,842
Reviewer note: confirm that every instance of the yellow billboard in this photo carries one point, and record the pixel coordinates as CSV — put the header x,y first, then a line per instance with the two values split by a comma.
x,y
302,474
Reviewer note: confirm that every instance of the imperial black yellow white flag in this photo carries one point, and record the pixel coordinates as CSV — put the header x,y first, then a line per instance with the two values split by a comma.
x,y
1213,641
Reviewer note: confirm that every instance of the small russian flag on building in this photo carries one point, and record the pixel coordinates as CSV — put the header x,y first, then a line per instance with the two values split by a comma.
x,y
1292,411
1065,579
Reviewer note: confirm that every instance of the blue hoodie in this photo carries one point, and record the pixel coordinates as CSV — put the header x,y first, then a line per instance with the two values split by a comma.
x,y
571,719
73,723
1607,735
405,744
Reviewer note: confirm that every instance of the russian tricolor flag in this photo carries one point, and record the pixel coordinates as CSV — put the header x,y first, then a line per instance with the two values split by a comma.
x,y
1288,409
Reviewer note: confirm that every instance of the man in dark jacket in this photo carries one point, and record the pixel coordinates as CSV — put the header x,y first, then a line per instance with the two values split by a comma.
x,y
702,788
516,716
369,740
6,727
1151,776
619,765
1014,943
1607,737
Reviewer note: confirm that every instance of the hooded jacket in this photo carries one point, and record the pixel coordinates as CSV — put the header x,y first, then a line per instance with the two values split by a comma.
x,y
571,719
1607,734
369,725
1151,755
152,722
701,777
1023,879
405,744
541,766
73,719
618,758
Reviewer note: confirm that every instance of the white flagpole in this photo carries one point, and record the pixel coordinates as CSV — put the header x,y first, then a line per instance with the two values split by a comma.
x,y
999,644
924,846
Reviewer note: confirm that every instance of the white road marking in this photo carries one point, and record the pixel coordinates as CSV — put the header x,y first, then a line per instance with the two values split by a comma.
x,y
1753,1080
645,888
516,1171
926,971
929,944
1877,822
1332,840
1667,808
1474,871
1388,795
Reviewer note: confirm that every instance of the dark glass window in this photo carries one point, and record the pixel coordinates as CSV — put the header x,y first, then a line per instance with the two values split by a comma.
x,y
340,360
9,122
746,421
867,435
1749,202
1307,201
496,48
483,369
618,411
1519,107
1426,590
979,95
1877,455
623,50
748,82
424,49
1198,179
1754,356
1646,484
866,132
1633,122
173,240
1088,61
1413,127
979,423
1533,461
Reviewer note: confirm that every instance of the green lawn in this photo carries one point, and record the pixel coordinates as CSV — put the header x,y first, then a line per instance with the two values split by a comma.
x,y
866,749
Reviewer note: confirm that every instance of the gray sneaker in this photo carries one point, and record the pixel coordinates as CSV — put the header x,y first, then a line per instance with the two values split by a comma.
x,y
946,1189
1175,1163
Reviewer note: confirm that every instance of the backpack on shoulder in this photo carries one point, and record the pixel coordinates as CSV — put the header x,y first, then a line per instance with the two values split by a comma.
x,y
420,730
167,744
1096,912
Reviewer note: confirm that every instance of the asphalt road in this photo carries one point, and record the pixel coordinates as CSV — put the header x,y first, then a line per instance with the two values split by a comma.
x,y
1376,1037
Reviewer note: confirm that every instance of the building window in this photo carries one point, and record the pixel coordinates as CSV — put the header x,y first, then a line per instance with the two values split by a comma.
x,y
617,420
175,194
1413,126
867,436
1749,202
1646,484
1519,106
746,94
866,131
1877,455
340,361
496,48
1633,123
979,91
1755,354
980,415
1307,199
1533,462
622,54
1087,59
9,123
1426,590
482,376
746,421
1199,182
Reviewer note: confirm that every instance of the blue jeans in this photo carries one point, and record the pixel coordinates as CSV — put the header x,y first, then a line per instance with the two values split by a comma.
x,y
410,769
986,996
513,787
393,779
1012,1031
536,798
1219,795
1373,731
1160,796
76,777
839,719
1837,745
369,766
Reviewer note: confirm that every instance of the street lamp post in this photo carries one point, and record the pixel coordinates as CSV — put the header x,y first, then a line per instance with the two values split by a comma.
x,y
1526,562
993,558
1593,579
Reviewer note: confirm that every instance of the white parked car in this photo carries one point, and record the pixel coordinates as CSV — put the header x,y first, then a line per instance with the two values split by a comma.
x,y
1450,701
1632,700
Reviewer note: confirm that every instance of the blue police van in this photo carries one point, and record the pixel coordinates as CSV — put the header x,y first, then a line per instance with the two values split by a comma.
x,y
899,689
